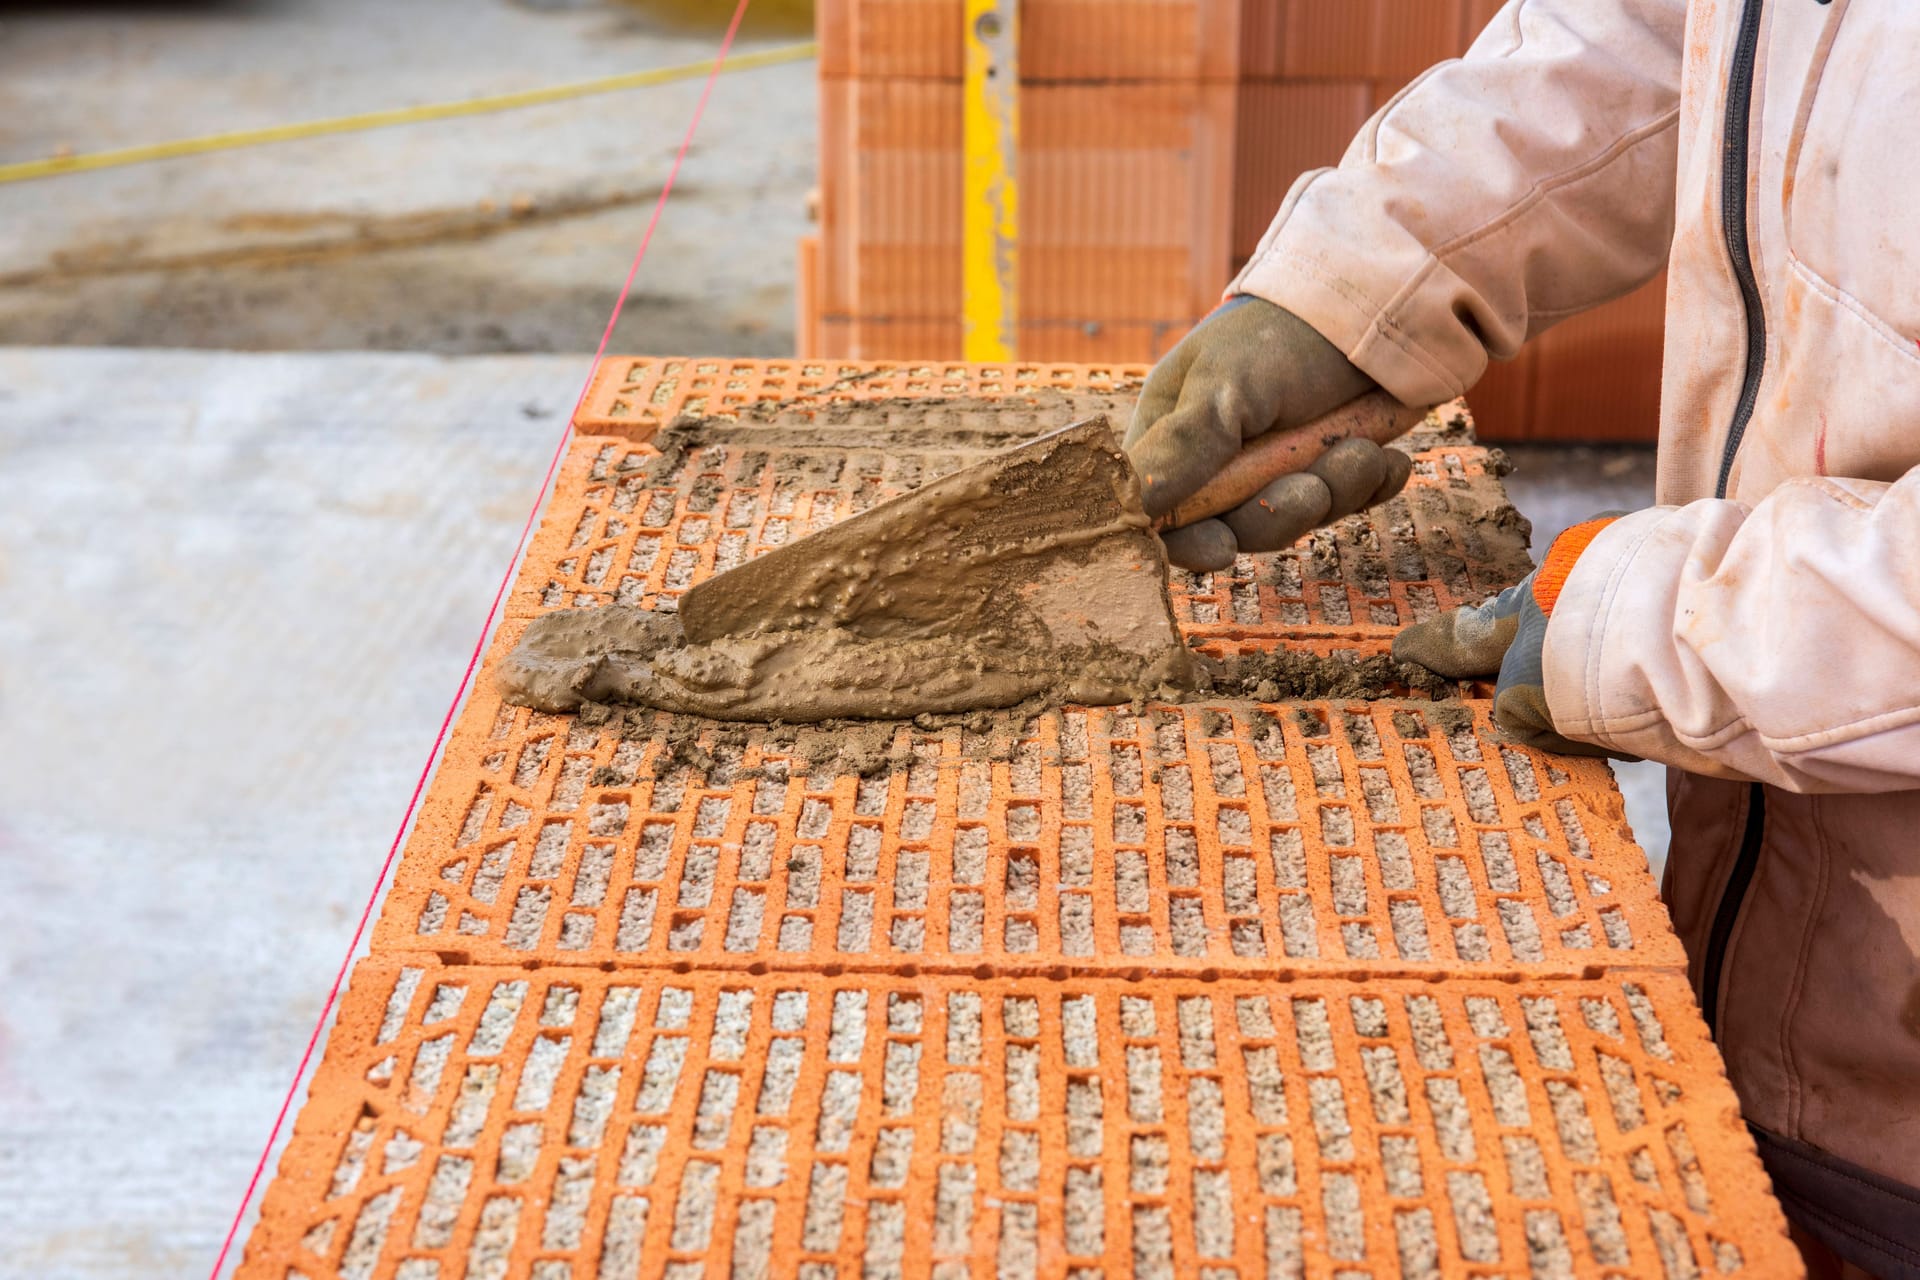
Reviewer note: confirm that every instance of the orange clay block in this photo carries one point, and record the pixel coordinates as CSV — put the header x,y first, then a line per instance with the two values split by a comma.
x,y
806,301
634,396
1327,988
475,1120
1375,39
640,533
1126,197
1595,377
1136,40
1284,128
1083,341
1059,39
1599,373
1327,837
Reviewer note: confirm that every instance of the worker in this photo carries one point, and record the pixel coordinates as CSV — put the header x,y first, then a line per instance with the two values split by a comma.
x,y
1758,631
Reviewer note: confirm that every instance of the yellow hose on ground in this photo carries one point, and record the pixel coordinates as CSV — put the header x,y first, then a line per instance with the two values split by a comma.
x,y
25,170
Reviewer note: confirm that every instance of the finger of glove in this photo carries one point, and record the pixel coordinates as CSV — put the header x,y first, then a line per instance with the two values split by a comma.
x,y
1399,471
1280,514
1465,643
1352,470
1524,663
1219,408
1521,713
1203,547
1162,390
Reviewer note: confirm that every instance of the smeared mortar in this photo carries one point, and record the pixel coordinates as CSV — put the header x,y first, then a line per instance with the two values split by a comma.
x,y
579,658
1032,575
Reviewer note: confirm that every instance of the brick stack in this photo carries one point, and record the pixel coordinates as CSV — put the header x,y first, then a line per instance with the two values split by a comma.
x,y
1126,174
1157,139
1228,989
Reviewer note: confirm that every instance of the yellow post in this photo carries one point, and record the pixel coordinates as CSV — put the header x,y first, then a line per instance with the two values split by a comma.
x,y
990,222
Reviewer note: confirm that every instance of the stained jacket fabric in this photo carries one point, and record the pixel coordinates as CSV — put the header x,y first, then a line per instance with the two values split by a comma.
x,y
1759,630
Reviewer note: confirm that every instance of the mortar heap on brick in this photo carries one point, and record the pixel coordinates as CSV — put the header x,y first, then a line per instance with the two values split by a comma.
x,y
1339,988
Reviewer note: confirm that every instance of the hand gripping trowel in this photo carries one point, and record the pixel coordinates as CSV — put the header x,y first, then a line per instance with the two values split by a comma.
x,y
1033,574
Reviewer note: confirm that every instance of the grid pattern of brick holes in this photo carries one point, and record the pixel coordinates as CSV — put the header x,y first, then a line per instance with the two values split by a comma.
x,y
1317,838
1330,989
602,1125
635,396
644,530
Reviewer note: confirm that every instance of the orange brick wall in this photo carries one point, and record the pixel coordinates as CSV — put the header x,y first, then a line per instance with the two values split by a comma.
x,y
1326,988
1158,138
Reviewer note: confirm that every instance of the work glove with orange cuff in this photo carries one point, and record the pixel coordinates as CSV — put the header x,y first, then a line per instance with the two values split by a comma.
x,y
1251,367
1506,637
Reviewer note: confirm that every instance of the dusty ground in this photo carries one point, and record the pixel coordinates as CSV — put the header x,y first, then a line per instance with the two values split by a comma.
x,y
508,232
216,689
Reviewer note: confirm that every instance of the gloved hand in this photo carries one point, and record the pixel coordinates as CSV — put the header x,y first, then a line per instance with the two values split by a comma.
x,y
1248,368
1506,635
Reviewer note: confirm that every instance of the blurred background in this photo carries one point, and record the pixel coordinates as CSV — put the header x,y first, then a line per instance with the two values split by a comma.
x,y
495,233
271,417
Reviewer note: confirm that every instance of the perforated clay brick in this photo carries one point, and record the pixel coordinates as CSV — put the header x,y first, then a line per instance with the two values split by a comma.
x,y
1329,988
643,525
1287,838
634,396
495,1120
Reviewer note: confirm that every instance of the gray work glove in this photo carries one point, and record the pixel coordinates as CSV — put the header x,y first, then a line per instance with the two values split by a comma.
x,y
1248,368
1506,638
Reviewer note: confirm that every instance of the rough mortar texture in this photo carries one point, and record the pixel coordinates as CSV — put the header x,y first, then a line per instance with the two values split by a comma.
x,y
1030,574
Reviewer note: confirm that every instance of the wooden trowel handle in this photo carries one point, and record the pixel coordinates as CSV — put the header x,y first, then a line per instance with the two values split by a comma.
x,y
1375,416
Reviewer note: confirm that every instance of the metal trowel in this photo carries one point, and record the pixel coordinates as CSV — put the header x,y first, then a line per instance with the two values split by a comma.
x,y
1033,573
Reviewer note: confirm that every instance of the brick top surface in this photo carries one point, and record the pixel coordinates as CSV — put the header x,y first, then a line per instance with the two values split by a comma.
x,y
1334,988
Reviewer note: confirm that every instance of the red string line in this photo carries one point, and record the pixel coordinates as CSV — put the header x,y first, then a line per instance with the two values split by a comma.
x,y
479,645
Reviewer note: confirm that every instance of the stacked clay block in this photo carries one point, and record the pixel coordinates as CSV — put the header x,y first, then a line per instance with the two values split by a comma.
x,y
1229,987
1122,233
1128,115
1158,138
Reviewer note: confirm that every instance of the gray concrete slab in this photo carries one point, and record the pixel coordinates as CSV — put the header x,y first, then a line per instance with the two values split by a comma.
x,y
507,232
236,594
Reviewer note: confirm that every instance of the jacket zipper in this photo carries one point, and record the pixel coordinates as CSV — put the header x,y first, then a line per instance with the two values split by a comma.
x,y
1733,221
1731,899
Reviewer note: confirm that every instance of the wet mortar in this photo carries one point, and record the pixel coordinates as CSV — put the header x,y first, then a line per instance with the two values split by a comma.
x,y
1031,574
799,666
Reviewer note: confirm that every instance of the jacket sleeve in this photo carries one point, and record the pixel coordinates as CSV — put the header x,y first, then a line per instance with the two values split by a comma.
x,y
1498,193
1777,643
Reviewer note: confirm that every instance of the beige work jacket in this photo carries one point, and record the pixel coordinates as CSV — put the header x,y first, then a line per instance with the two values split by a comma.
x,y
1759,630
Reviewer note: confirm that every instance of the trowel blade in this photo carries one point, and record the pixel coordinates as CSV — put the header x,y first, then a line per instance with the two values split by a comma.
x,y
1033,574
1039,521
1055,525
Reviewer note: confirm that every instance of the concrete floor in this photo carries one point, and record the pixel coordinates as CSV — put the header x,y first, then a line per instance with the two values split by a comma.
x,y
237,605
507,232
